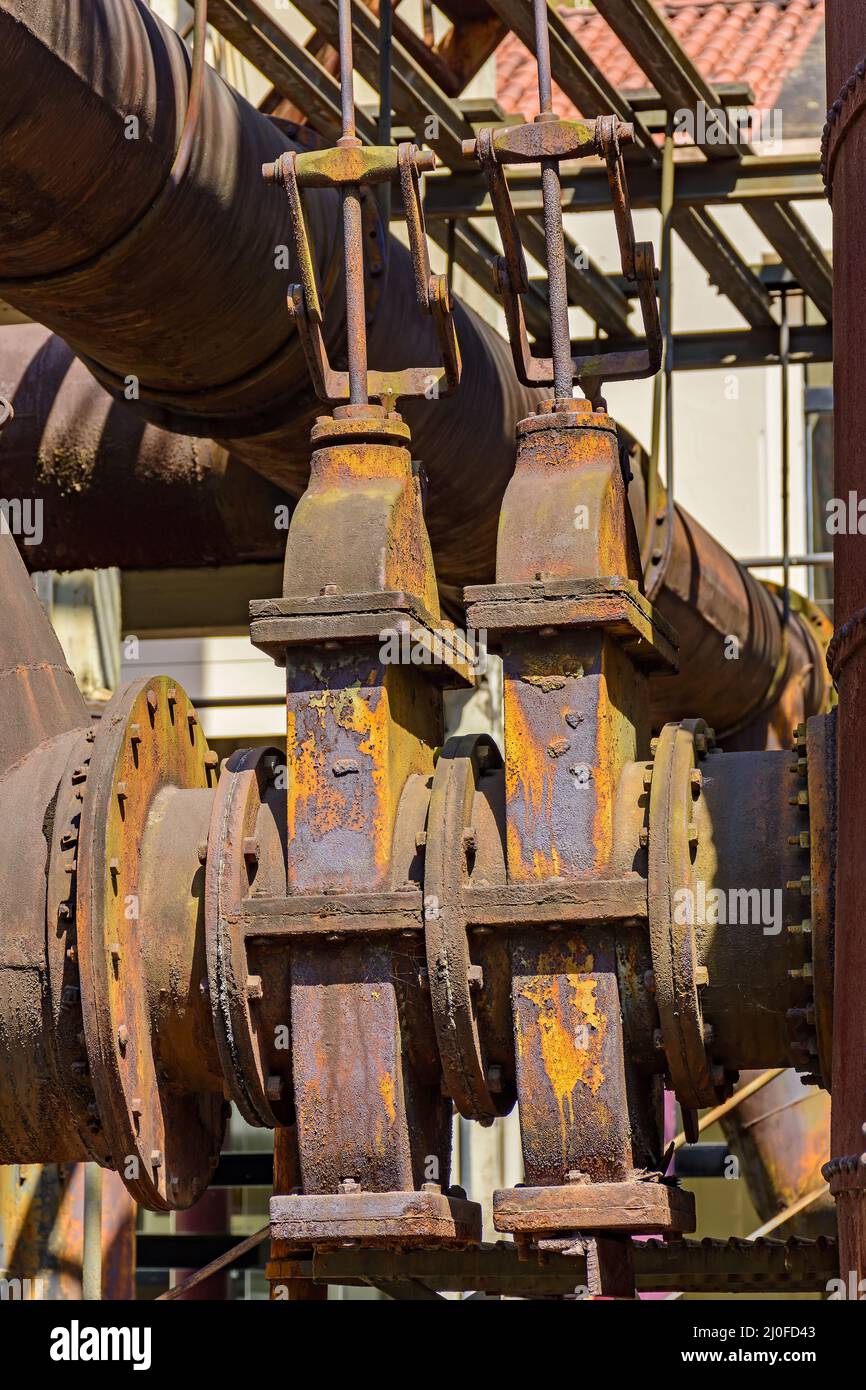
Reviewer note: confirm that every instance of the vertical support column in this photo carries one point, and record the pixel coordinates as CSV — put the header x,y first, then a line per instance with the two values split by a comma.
x,y
361,637
577,638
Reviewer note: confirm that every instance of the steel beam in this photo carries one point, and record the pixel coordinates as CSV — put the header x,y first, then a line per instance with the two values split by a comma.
x,y
646,36
754,179
730,349
579,79
294,72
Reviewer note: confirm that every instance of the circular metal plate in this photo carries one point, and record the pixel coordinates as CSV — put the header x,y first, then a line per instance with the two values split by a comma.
x,y
449,847
235,993
672,936
164,1140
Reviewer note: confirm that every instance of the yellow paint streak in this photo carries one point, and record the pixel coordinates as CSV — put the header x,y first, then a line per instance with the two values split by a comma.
x,y
570,1028
386,1090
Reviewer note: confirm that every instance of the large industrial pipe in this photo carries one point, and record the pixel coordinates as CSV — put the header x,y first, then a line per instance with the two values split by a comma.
x,y
112,489
173,288
845,174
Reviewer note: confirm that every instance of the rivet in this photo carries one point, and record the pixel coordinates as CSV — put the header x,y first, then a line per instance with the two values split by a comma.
x,y
470,840
274,1087
421,839
643,837
709,1035
434,1187
152,701
135,733
202,851
121,791
658,1040
211,759
122,1037
702,976
251,849
692,833
696,779
475,977
156,1158
254,987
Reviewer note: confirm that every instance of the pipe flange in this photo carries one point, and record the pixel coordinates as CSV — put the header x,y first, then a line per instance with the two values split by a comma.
x,y
62,948
684,1034
454,982
164,1138
241,812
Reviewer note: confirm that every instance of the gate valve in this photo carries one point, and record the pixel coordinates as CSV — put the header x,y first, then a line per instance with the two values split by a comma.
x,y
345,168
548,141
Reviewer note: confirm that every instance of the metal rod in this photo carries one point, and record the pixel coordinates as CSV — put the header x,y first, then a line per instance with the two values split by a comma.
x,y
784,354
662,381
557,289
221,1262
356,318
820,559
542,56
91,1281
386,27
711,1116
793,1210
196,92
347,70
353,233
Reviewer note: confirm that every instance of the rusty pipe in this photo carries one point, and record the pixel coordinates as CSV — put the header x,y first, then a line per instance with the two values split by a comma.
x,y
175,293
114,489
780,1136
747,672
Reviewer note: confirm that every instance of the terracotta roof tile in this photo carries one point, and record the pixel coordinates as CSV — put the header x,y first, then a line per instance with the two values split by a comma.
x,y
759,42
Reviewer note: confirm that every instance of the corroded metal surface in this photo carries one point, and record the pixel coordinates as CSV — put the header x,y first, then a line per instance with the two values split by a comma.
x,y
87,459
162,1127
846,46
38,694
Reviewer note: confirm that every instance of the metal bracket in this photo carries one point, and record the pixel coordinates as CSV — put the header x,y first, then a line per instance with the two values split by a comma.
x,y
548,141
346,169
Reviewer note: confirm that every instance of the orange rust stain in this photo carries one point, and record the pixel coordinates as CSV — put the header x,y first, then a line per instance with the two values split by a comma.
x,y
386,1090
571,1028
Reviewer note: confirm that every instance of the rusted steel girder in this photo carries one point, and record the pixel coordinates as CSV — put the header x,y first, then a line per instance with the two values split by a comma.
x,y
844,162
91,216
